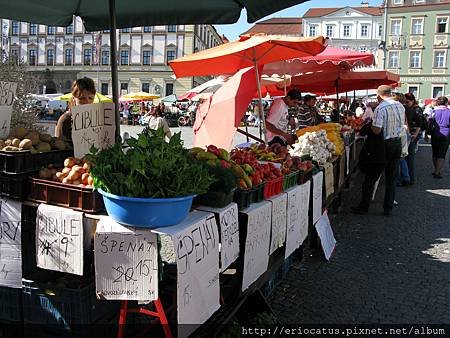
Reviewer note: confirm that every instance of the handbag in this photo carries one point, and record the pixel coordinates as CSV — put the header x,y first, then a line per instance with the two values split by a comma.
x,y
432,126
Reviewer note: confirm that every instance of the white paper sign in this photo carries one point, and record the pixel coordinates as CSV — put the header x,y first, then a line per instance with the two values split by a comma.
x,y
126,262
10,243
326,235
7,96
347,160
279,214
196,242
317,196
229,233
257,243
297,217
92,125
329,179
59,239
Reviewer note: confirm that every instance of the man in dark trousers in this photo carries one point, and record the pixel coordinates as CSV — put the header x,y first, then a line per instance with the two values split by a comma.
x,y
389,120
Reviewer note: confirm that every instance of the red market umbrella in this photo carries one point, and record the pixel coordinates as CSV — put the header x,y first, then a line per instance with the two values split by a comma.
x,y
219,115
331,58
326,83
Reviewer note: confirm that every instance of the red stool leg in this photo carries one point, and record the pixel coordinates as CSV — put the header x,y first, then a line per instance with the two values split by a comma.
x,y
163,318
122,318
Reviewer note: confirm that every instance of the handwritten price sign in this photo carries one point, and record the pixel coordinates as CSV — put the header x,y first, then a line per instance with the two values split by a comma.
x,y
7,96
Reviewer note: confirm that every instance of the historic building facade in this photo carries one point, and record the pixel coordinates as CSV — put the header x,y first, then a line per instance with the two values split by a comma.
x,y
63,54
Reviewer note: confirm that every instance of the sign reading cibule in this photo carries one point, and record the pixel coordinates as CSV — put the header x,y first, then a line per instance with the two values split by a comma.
x,y
126,262
10,244
92,125
59,239
7,95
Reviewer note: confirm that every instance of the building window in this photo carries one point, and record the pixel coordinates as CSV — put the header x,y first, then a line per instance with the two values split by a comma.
x,y
439,59
417,26
146,57
146,87
104,88
346,31
170,55
442,25
330,30
15,55
15,28
32,57
364,31
147,29
68,55
50,57
124,86
414,90
396,26
172,28
125,30
397,2
51,30
169,89
437,91
393,59
312,30
87,54
362,49
69,29
419,1
124,57
380,30
414,59
105,57
33,29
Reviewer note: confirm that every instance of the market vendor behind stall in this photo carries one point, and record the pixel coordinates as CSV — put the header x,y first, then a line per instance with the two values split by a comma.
x,y
278,119
307,113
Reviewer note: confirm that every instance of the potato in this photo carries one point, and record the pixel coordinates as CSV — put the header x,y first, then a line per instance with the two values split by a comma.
x,y
74,175
20,132
11,148
76,182
60,176
58,145
8,142
90,180
25,144
33,150
43,147
69,162
45,138
34,137
15,142
66,170
2,144
66,180
84,178
87,166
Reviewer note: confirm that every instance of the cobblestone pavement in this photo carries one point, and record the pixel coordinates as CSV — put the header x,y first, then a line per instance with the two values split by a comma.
x,y
389,270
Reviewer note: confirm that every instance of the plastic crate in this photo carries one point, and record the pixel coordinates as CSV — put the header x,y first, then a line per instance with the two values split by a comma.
x,y
242,197
215,199
305,176
65,195
10,304
290,180
273,187
25,162
14,185
46,303
257,193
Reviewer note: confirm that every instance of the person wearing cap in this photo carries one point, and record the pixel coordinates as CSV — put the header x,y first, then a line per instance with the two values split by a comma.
x,y
278,119
307,113
389,121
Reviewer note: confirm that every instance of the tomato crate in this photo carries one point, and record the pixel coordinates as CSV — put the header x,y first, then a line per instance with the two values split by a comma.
x,y
215,199
242,197
10,304
273,187
15,186
25,162
257,193
47,300
290,180
65,195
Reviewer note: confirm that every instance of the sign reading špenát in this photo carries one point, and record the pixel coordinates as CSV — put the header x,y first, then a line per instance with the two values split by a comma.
x,y
10,243
278,232
297,217
126,262
229,233
7,96
92,125
257,243
59,239
196,244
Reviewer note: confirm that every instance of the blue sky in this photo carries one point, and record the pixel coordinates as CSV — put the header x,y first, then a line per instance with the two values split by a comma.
x,y
232,31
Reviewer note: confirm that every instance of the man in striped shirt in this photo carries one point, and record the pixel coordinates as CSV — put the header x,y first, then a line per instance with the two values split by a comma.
x,y
389,120
307,113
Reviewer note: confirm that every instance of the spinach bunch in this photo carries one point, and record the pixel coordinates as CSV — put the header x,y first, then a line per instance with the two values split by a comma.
x,y
150,167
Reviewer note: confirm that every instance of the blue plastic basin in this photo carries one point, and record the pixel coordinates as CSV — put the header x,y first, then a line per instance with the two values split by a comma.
x,y
147,212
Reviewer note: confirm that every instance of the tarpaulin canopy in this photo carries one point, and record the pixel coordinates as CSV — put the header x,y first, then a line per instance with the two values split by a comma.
x,y
133,13
326,83
246,52
139,96
98,98
331,58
